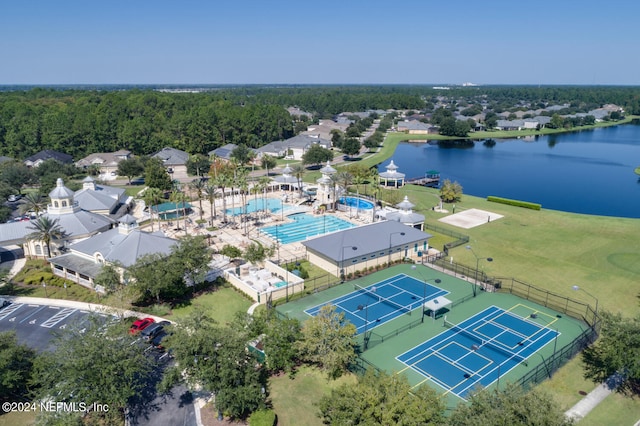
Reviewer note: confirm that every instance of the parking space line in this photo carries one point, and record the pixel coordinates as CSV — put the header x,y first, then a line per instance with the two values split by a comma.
x,y
58,317
9,310
33,313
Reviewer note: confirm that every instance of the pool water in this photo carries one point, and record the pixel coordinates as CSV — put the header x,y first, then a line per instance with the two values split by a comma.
x,y
280,284
168,211
357,202
304,226
274,205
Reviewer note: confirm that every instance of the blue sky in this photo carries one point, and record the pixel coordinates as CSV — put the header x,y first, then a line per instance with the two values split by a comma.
x,y
319,42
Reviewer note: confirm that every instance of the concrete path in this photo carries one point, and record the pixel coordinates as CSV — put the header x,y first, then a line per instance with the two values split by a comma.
x,y
595,397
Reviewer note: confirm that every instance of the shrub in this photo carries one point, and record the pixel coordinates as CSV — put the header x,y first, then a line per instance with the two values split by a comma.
x,y
262,418
516,203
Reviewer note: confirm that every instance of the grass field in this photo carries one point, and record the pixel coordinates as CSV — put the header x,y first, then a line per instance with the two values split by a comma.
x,y
293,399
221,305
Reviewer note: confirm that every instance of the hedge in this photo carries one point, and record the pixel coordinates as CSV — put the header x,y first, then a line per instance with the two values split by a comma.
x,y
517,203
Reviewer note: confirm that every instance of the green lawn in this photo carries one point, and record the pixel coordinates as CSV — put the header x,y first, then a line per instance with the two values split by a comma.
x,y
221,305
294,400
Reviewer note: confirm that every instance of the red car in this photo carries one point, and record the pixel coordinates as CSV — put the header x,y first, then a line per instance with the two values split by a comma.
x,y
140,324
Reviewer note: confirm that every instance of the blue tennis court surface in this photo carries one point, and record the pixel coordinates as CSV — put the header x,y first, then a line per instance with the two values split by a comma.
x,y
368,307
478,350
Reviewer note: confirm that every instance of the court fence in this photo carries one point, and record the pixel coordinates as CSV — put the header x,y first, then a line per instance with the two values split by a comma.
x,y
460,239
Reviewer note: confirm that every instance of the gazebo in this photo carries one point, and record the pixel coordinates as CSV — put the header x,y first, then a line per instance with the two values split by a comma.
x,y
406,215
286,180
392,178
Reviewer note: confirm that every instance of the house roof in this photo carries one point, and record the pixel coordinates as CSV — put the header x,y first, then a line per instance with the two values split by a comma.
x,y
49,154
103,158
99,198
374,238
224,151
80,223
172,156
124,248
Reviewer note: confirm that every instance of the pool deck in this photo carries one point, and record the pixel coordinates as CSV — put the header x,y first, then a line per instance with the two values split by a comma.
x,y
234,235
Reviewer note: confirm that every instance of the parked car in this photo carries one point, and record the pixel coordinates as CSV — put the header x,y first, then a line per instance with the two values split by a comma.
x,y
13,198
4,302
157,340
140,324
153,330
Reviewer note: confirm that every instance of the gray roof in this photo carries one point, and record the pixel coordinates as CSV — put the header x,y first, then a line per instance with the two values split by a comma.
x,y
305,141
404,217
277,147
368,239
49,154
60,191
14,232
80,223
224,151
125,248
100,198
172,157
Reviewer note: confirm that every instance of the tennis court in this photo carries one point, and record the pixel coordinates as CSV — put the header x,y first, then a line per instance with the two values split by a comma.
x,y
479,350
371,306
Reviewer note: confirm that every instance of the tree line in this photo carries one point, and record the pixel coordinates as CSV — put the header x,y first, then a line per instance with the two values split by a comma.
x,y
80,122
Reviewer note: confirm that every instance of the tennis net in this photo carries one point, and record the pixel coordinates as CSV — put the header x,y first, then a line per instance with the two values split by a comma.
x,y
371,292
485,342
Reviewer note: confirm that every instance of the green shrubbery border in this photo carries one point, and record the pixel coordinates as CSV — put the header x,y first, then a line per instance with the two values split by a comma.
x,y
517,203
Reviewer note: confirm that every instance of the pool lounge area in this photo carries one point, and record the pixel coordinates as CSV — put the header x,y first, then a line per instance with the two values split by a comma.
x,y
269,282
303,226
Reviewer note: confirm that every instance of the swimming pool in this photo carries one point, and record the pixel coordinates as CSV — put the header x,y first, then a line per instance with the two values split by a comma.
x,y
168,211
304,226
274,205
360,203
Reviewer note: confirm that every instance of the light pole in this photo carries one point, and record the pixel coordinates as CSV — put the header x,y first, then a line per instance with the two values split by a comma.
x,y
478,259
391,235
366,323
354,248
278,243
576,288
424,288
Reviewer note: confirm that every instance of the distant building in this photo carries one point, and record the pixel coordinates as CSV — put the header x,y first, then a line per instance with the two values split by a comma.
x,y
174,160
106,162
48,154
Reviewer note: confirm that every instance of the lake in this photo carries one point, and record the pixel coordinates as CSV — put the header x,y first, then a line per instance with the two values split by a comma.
x,y
589,172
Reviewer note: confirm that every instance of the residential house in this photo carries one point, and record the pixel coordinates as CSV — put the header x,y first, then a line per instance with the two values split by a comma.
x,y
293,148
223,152
416,127
48,154
174,160
106,162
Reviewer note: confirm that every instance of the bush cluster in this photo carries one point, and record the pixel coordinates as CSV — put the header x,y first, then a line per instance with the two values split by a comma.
x,y
517,203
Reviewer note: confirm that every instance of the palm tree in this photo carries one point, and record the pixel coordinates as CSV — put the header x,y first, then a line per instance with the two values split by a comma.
x,y
46,230
33,201
180,198
210,192
198,185
298,170
343,178
268,162
152,197
263,184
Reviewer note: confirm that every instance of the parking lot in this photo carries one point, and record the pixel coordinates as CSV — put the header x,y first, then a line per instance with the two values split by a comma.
x,y
34,323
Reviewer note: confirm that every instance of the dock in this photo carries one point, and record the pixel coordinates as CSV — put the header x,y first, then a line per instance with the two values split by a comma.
x,y
430,178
